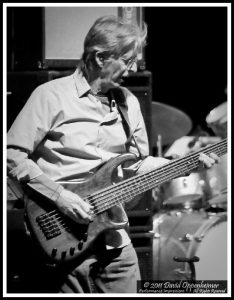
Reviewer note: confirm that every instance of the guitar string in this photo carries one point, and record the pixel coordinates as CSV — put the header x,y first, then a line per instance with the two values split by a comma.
x,y
136,182
59,218
175,163
103,195
149,183
62,221
65,225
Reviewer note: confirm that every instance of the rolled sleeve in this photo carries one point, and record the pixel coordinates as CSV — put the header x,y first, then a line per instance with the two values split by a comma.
x,y
20,166
27,171
46,187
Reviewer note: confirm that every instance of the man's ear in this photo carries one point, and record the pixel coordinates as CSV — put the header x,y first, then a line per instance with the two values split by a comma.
x,y
99,58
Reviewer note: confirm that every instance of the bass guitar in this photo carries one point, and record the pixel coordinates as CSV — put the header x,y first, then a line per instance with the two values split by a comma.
x,y
63,239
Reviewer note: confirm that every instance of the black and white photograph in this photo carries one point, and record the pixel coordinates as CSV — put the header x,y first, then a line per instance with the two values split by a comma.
x,y
117,139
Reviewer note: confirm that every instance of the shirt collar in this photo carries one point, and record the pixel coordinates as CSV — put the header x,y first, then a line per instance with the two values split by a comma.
x,y
81,83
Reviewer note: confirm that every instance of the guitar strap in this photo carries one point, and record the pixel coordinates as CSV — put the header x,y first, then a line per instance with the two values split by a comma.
x,y
118,96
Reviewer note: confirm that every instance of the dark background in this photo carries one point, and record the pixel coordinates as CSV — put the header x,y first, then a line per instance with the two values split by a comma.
x,y
187,54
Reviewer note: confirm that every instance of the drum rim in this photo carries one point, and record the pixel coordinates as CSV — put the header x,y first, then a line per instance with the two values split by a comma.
x,y
196,203
214,220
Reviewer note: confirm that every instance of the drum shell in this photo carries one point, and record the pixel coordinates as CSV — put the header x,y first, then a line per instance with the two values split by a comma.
x,y
177,233
184,192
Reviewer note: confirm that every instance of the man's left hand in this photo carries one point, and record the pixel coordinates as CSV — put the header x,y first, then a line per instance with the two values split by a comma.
x,y
207,161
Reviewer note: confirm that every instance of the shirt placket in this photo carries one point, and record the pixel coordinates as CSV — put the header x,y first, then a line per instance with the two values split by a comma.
x,y
110,116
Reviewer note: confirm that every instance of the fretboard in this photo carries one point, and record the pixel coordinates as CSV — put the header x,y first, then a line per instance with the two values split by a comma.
x,y
128,189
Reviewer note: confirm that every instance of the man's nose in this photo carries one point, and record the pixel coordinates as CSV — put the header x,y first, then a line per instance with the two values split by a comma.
x,y
133,67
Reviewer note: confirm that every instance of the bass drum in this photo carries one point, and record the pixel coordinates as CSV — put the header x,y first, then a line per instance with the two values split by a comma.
x,y
185,235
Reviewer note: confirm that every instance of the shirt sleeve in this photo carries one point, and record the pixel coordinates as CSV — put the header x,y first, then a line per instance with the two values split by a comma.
x,y
28,130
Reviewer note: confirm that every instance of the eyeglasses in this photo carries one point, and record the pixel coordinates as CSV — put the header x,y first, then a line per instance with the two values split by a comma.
x,y
129,62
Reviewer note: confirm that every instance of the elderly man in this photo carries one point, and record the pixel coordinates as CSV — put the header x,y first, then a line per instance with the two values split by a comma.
x,y
68,128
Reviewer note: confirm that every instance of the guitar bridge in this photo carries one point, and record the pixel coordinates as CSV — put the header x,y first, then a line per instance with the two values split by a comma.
x,y
48,225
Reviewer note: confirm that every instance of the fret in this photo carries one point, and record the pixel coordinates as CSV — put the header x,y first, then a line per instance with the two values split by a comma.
x,y
127,189
137,187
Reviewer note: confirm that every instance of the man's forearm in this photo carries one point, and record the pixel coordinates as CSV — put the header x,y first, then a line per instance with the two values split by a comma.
x,y
28,173
46,187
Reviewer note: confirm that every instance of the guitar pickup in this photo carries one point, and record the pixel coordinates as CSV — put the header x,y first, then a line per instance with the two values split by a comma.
x,y
51,234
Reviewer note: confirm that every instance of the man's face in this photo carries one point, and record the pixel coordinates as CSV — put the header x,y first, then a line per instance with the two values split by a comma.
x,y
114,69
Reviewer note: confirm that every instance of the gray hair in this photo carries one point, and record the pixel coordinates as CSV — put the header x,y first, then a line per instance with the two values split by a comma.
x,y
113,36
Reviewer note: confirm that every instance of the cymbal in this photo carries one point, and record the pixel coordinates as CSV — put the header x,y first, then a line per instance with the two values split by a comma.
x,y
169,122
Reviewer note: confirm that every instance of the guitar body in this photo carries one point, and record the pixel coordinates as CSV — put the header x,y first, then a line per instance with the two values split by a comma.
x,y
61,238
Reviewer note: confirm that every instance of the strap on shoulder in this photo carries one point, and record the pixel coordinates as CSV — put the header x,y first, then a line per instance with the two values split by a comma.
x,y
118,96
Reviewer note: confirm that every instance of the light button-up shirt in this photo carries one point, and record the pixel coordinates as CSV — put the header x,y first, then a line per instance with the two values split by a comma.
x,y
63,133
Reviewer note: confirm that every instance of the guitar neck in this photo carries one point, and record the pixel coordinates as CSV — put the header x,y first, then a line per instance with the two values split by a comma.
x,y
130,188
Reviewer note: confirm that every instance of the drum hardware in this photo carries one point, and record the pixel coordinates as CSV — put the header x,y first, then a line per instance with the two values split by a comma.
x,y
176,213
186,238
213,211
159,145
157,235
189,237
199,238
191,262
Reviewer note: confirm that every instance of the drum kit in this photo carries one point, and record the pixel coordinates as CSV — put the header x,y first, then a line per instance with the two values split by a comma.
x,y
190,219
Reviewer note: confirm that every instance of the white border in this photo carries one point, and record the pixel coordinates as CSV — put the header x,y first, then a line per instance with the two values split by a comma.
x,y
121,4
228,5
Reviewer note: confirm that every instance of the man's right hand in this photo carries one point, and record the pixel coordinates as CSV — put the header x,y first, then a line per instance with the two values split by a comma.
x,y
74,207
